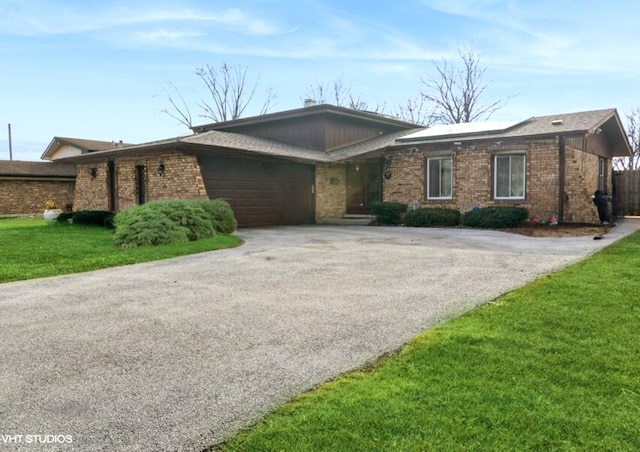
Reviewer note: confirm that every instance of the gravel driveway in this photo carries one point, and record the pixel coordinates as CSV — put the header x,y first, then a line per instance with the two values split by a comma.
x,y
178,354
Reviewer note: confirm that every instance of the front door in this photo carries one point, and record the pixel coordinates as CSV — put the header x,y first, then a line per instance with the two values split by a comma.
x,y
364,186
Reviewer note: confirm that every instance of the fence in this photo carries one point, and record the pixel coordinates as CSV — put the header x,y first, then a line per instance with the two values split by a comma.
x,y
626,189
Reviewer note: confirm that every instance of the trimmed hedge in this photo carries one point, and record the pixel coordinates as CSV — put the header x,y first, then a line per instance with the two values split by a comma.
x,y
175,221
495,217
388,212
432,216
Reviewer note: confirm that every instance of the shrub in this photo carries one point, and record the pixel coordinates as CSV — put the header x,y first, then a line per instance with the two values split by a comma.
x,y
143,226
64,217
189,214
221,215
495,217
161,223
432,216
388,212
94,217
91,217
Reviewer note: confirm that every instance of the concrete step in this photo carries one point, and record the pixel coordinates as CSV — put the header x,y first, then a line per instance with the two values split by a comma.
x,y
349,220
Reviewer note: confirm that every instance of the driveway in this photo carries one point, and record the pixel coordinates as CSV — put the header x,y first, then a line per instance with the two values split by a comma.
x,y
179,354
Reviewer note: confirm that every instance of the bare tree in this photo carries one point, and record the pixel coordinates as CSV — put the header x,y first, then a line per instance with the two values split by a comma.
x,y
338,93
179,108
229,94
415,110
455,89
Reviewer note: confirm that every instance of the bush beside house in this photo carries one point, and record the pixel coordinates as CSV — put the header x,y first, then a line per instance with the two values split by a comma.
x,y
434,216
495,217
175,221
388,212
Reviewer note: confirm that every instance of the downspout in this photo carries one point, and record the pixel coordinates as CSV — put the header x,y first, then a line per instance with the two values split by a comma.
x,y
561,164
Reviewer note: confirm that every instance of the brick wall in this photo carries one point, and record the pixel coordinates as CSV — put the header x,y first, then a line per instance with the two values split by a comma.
x,y
331,191
581,181
91,193
473,178
181,180
28,196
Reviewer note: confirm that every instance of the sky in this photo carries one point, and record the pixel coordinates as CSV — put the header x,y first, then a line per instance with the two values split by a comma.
x,y
100,70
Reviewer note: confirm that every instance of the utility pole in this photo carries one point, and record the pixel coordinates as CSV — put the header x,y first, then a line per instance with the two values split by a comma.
x,y
10,147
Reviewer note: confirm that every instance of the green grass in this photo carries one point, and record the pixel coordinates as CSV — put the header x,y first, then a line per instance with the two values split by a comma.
x,y
552,366
30,248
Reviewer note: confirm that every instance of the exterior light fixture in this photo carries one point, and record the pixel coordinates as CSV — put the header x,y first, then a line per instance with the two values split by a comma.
x,y
93,172
161,169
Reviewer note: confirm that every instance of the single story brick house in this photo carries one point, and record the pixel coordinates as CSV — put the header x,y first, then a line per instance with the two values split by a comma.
x,y
323,162
25,187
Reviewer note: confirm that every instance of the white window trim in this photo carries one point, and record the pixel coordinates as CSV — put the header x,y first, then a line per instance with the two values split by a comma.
x,y
495,176
439,157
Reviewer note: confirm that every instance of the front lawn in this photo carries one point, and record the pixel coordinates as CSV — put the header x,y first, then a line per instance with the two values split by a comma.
x,y
30,248
554,365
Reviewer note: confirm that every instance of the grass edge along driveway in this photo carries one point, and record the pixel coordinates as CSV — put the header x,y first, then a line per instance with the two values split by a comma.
x,y
33,249
554,365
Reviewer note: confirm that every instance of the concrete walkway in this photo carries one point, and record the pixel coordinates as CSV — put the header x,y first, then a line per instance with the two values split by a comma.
x,y
178,354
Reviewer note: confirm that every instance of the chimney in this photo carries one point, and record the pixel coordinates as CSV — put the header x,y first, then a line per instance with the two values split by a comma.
x,y
309,103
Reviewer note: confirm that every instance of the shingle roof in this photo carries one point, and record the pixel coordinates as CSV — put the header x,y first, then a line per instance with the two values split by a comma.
x,y
90,145
257,145
584,122
365,147
18,168
81,144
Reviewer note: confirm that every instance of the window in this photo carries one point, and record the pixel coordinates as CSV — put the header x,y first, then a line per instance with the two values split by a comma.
x,y
602,174
509,176
440,177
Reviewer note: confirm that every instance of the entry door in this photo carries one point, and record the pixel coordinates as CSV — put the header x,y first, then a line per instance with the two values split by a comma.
x,y
364,186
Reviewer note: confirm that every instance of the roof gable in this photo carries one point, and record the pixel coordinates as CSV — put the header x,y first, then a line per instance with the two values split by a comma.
x,y
60,147
323,127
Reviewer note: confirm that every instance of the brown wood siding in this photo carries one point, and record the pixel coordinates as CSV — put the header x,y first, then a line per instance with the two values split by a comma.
x,y
317,133
262,192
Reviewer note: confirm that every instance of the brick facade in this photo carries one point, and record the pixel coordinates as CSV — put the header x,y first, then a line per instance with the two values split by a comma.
x,y
181,179
331,191
473,177
27,196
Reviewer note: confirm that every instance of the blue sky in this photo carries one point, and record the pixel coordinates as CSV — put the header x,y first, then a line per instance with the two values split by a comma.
x,y
97,69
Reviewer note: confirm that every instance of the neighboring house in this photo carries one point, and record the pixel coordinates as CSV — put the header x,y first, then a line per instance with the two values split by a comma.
x,y
25,187
61,147
322,162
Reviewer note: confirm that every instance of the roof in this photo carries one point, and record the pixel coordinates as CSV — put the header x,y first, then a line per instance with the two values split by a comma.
x,y
465,128
315,110
580,123
209,141
212,141
83,145
21,169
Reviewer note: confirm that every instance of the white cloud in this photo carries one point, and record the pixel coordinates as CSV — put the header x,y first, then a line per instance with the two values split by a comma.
x,y
35,18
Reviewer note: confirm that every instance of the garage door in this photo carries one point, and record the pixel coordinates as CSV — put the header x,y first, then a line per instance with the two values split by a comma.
x,y
262,192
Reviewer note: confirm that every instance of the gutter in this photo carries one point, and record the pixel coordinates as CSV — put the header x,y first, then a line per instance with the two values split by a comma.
x,y
561,176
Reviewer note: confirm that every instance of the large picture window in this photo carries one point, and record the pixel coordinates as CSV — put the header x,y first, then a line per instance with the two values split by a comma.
x,y
509,176
440,177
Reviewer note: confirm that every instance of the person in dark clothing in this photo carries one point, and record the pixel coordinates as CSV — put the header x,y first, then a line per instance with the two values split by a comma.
x,y
600,200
